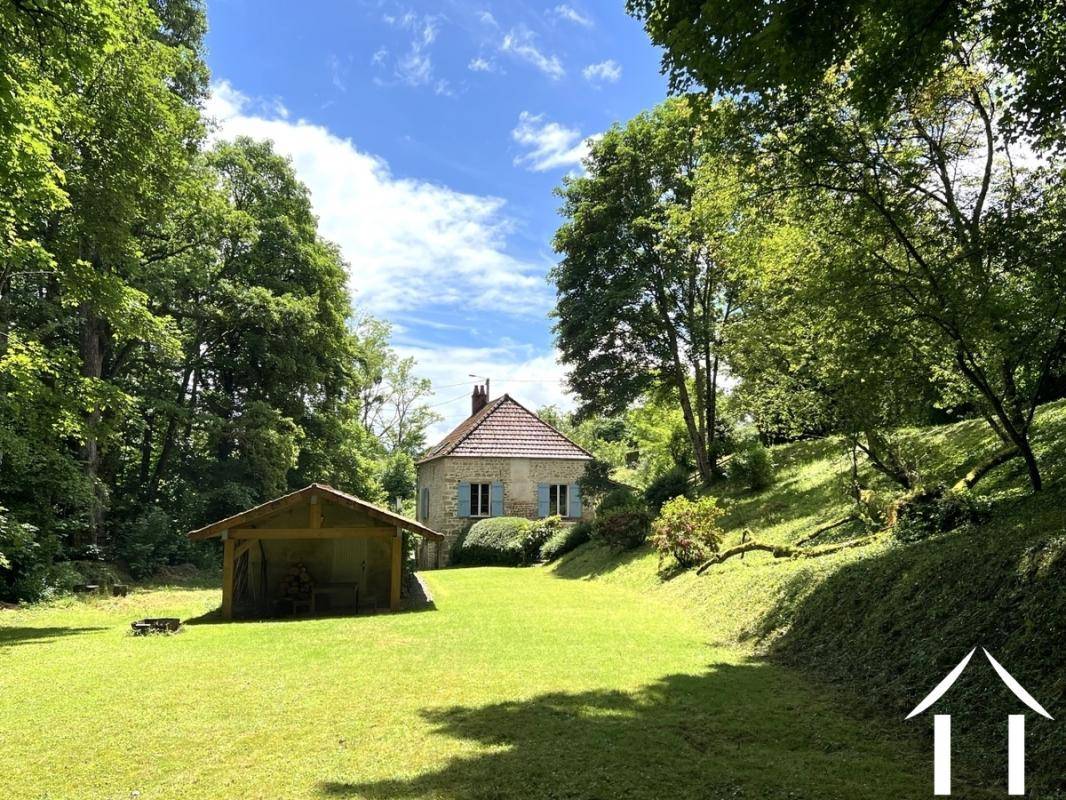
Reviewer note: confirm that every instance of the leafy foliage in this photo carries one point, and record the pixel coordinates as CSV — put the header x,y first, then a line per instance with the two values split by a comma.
x,y
687,530
174,333
672,483
565,539
650,248
753,465
925,517
733,47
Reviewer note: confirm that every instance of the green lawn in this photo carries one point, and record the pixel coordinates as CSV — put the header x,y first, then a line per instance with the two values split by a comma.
x,y
519,684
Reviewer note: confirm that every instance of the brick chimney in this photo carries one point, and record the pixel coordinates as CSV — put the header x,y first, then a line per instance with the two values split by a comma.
x,y
479,399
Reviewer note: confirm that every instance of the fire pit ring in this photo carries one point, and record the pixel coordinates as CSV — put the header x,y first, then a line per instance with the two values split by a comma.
x,y
143,627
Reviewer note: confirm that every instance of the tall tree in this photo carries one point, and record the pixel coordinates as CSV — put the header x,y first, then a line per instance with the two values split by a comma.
x,y
778,52
646,284
931,204
399,416
124,127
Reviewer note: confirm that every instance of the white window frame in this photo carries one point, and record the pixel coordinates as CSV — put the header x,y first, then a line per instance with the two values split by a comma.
x,y
561,499
480,498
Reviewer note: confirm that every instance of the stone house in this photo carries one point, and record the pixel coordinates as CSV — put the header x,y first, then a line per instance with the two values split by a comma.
x,y
503,460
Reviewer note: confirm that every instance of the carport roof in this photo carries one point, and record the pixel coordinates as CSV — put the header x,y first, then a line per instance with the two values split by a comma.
x,y
317,490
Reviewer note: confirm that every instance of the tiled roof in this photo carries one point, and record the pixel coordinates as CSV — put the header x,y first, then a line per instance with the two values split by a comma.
x,y
505,428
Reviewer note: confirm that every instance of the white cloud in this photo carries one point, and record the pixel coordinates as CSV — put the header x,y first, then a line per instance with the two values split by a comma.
x,y
480,64
519,42
410,244
533,378
608,71
487,19
571,14
415,67
549,145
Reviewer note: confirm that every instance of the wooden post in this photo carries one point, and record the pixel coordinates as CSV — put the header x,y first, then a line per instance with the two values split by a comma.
x,y
394,581
227,576
316,513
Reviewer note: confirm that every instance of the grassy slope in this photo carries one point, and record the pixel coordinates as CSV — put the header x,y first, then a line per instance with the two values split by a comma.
x,y
888,620
517,685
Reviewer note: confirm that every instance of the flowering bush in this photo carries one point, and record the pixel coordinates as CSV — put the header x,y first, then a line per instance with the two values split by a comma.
x,y
687,530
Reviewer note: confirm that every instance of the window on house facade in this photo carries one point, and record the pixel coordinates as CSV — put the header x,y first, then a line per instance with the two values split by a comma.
x,y
424,505
558,500
479,499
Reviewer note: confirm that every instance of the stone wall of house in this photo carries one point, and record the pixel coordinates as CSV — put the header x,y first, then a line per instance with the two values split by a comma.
x,y
519,476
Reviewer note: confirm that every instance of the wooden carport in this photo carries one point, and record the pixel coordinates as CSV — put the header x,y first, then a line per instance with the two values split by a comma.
x,y
316,513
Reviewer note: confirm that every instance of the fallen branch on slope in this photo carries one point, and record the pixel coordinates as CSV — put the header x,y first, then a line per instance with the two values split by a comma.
x,y
826,528
974,475
782,551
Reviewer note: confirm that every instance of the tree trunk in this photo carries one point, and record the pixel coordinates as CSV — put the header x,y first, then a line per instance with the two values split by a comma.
x,y
146,454
681,383
702,464
1016,430
167,446
712,414
1030,464
92,366
884,458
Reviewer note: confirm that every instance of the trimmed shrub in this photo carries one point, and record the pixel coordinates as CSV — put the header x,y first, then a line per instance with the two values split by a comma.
x,y
623,529
495,540
672,483
754,466
540,531
687,530
567,538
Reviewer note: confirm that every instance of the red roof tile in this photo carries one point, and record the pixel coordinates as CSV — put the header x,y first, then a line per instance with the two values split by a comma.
x,y
506,429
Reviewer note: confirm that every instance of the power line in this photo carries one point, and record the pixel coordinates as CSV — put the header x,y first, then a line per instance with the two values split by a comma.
x,y
463,396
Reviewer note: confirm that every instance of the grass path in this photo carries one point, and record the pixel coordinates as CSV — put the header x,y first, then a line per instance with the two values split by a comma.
x,y
519,684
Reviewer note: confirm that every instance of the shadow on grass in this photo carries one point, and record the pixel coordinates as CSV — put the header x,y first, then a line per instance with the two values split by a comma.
x,y
588,561
12,637
891,625
214,617
736,731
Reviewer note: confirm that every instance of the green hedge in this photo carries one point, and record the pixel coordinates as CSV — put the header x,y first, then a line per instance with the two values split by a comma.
x,y
496,540
565,539
507,541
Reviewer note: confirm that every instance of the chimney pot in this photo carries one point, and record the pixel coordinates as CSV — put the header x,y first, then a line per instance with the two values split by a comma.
x,y
479,399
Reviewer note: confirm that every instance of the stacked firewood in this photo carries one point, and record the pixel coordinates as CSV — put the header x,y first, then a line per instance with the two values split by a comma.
x,y
297,583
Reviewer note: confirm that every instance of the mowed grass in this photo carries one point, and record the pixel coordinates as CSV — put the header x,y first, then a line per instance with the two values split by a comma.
x,y
518,684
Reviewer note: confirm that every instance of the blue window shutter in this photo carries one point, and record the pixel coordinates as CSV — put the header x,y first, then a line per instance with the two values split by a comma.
x,y
464,499
575,500
542,499
496,509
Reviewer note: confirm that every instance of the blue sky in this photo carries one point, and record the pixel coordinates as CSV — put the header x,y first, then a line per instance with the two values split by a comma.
x,y
431,136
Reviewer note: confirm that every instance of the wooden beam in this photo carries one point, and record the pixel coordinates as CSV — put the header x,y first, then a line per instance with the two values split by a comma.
x,y
382,515
394,579
228,547
242,548
315,512
312,533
